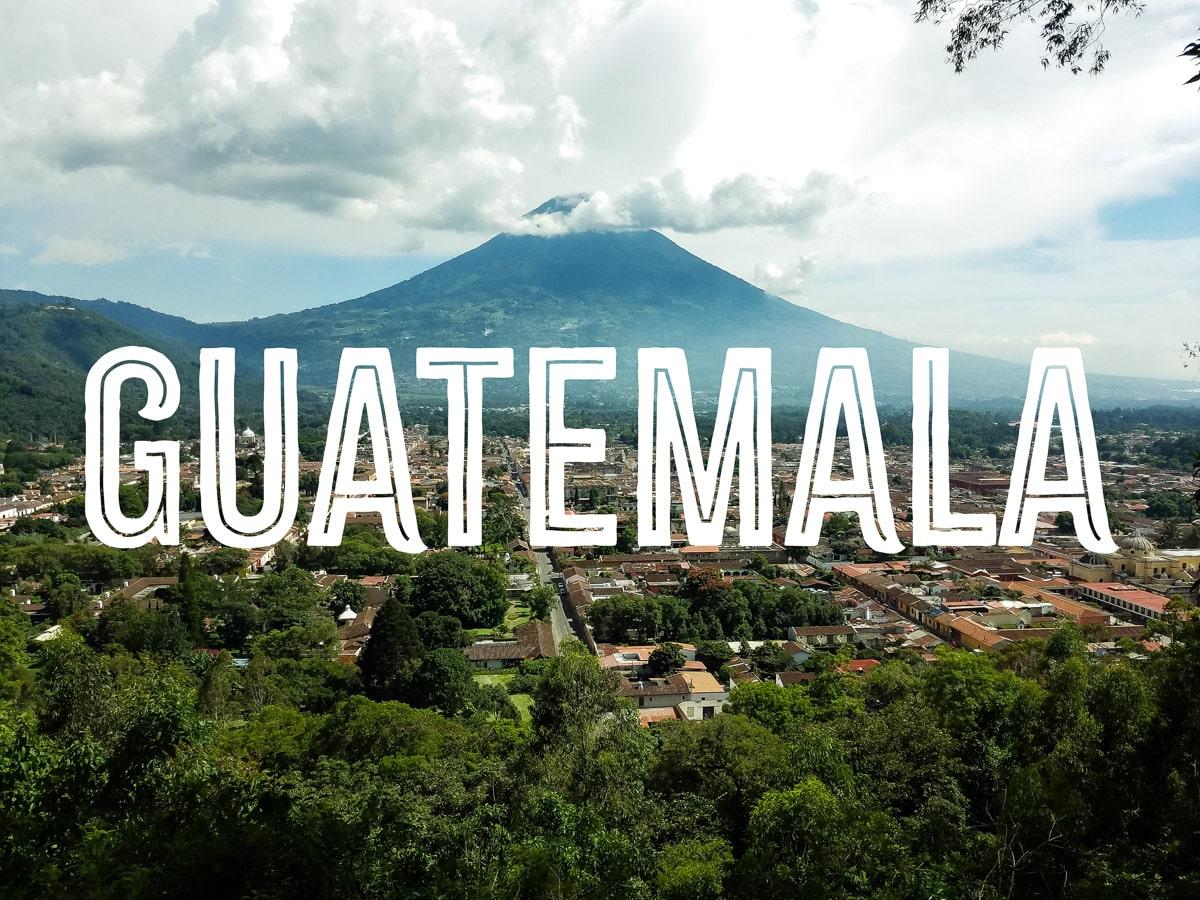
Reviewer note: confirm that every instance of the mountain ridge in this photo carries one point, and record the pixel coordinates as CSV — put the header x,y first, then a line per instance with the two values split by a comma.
x,y
621,288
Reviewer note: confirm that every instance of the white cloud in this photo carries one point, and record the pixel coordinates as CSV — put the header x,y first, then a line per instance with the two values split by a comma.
x,y
369,111
738,202
569,123
1125,302
79,252
9,250
188,249
1068,339
786,279
357,109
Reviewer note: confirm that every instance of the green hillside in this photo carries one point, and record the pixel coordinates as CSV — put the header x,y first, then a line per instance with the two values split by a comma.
x,y
46,351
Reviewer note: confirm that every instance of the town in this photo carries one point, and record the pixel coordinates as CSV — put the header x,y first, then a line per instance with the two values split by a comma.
x,y
682,624
696,703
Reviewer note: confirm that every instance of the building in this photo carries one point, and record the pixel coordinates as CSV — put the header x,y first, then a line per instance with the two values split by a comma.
x,y
1125,599
533,640
690,695
821,635
354,630
1138,558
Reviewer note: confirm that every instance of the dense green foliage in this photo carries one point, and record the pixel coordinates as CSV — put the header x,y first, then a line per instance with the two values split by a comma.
x,y
450,583
133,767
709,609
45,354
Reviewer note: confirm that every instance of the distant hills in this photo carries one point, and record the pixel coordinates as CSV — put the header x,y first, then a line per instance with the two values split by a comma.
x,y
47,346
626,289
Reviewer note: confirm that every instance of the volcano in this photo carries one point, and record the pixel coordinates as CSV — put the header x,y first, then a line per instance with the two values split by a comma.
x,y
620,288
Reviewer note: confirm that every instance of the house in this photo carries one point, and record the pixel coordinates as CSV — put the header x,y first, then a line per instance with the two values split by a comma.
x,y
821,635
1125,599
378,587
533,640
353,632
790,679
49,634
37,612
692,695
147,593
740,672
857,666
627,659
519,585
973,635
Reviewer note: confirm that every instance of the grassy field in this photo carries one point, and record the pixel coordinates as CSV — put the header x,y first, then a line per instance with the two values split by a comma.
x,y
500,678
523,702
518,614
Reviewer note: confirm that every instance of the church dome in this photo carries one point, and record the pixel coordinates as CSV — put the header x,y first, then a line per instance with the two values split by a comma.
x,y
1136,545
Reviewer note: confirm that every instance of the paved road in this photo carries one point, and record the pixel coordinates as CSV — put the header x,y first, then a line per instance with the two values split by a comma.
x,y
559,623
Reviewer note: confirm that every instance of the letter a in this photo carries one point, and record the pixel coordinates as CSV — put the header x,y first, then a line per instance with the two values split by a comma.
x,y
1057,376
365,386
843,376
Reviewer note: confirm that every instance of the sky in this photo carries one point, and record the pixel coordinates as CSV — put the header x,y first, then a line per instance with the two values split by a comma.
x,y
222,159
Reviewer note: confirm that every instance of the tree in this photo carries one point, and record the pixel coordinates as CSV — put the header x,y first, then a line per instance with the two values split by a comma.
x,y
237,618
1071,42
223,561
541,600
494,701
65,597
777,708
1195,592
76,695
768,658
433,527
215,696
287,598
438,631
730,759
666,658
694,869
44,527
614,619
161,632
445,681
16,677
194,595
314,639
472,590
1168,505
800,843
572,698
347,593
502,521
839,524
713,654
627,539
393,653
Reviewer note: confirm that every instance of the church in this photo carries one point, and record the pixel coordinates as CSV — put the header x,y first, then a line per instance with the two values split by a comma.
x,y
1137,558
